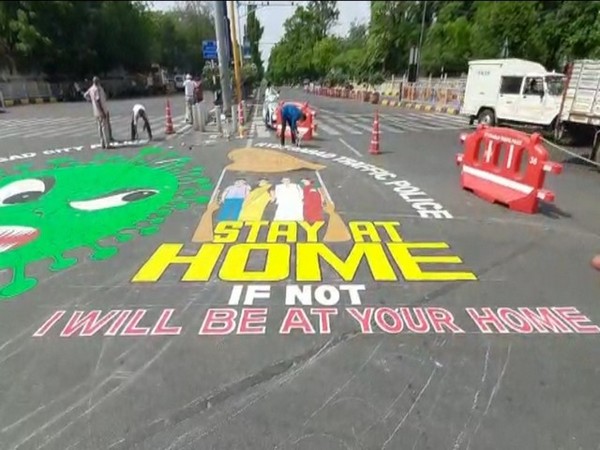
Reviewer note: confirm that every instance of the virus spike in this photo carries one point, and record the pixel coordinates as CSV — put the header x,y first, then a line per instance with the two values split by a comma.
x,y
163,212
149,230
124,237
23,168
19,284
63,162
181,206
100,253
61,262
202,199
104,158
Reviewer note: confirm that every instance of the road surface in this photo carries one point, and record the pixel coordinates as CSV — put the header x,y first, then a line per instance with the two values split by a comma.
x,y
139,313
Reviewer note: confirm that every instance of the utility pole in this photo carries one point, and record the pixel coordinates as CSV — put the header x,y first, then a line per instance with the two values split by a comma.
x,y
236,52
222,44
240,30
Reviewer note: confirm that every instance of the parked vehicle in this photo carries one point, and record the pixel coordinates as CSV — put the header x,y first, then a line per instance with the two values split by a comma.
x,y
512,90
524,93
269,107
179,79
579,114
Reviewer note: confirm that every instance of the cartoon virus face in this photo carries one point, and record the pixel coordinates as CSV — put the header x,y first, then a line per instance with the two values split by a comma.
x,y
46,213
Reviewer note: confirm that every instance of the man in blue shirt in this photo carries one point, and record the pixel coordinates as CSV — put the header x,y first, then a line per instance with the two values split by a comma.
x,y
290,115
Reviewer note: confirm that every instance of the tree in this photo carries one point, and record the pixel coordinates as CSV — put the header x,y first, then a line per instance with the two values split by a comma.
x,y
497,22
324,53
293,58
393,29
254,32
323,16
455,32
194,24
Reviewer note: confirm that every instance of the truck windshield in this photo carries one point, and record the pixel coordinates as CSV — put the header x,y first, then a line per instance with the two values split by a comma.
x,y
555,85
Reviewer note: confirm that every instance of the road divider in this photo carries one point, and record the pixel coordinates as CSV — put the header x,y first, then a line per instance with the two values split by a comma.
x,y
506,166
419,200
440,98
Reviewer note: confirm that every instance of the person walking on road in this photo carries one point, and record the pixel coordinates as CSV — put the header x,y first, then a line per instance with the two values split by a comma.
x,y
139,112
188,87
96,95
290,115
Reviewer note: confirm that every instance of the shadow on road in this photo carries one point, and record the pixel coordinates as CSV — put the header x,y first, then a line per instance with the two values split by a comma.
x,y
553,212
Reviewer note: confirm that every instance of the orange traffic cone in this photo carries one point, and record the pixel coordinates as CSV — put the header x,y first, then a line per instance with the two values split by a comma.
x,y
241,119
241,113
374,147
169,120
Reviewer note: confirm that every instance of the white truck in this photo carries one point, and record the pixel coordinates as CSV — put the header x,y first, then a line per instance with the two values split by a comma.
x,y
512,90
579,114
524,93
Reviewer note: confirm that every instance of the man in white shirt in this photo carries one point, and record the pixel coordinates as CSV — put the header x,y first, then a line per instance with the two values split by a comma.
x,y
139,112
188,86
96,95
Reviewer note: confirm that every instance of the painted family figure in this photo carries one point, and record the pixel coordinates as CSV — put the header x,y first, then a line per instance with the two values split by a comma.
x,y
293,202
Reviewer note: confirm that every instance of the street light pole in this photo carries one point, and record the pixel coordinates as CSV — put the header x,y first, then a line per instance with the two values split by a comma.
x,y
221,34
236,53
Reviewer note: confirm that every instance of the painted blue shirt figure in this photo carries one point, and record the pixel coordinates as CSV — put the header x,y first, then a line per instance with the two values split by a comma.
x,y
290,115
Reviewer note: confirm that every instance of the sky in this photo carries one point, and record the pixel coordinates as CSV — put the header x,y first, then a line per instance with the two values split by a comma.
x,y
272,18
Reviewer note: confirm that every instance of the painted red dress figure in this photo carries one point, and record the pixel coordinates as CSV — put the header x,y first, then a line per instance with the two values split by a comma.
x,y
313,202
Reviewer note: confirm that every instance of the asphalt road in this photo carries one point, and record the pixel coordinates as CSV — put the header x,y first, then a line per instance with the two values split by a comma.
x,y
113,349
59,125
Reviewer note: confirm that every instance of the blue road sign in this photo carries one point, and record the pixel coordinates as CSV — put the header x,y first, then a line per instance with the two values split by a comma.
x,y
209,50
247,51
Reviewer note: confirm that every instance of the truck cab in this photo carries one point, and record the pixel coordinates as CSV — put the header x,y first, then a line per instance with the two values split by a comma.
x,y
512,90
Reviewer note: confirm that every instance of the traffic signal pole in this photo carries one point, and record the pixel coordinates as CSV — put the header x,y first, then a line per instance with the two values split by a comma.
x,y
222,44
236,52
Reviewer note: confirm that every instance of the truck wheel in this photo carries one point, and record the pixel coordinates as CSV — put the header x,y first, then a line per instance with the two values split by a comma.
x,y
595,150
486,117
559,133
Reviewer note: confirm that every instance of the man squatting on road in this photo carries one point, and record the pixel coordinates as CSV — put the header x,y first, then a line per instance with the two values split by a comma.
x,y
139,112
290,115
96,95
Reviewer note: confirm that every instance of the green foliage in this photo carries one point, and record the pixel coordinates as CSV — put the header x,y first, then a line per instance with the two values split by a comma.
x,y
78,38
254,34
454,32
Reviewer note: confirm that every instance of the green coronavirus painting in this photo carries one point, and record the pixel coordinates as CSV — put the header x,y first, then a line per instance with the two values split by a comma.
x,y
69,205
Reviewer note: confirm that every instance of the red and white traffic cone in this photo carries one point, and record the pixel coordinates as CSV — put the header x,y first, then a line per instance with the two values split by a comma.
x,y
374,147
168,120
241,119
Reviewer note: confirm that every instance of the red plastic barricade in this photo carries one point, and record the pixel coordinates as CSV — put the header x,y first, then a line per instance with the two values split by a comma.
x,y
506,166
307,128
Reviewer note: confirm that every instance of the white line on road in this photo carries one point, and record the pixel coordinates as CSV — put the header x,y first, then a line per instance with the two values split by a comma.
x,y
327,129
343,127
352,149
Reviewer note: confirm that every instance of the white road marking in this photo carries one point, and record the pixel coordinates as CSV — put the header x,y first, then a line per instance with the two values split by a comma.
x,y
352,149
340,125
327,129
